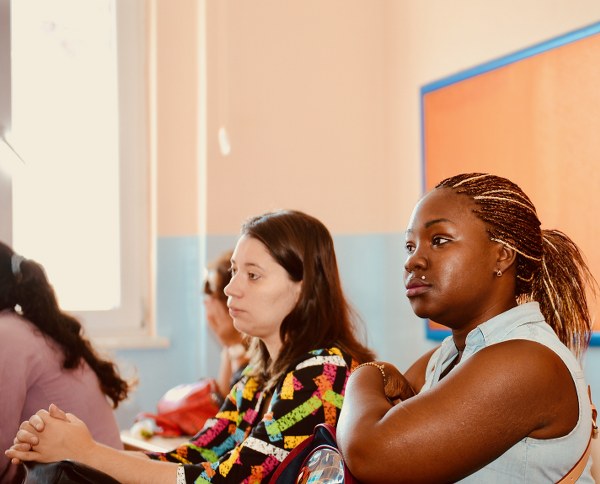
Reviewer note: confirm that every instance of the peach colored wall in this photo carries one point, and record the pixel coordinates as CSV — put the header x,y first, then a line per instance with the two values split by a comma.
x,y
174,41
300,87
319,99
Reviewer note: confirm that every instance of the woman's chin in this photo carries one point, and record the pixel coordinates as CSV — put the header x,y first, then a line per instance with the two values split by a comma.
x,y
419,310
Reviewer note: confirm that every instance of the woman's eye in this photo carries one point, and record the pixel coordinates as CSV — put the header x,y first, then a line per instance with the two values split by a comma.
x,y
252,276
409,248
440,241
232,271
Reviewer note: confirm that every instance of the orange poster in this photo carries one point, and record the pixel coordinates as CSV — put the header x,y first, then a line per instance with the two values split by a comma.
x,y
533,117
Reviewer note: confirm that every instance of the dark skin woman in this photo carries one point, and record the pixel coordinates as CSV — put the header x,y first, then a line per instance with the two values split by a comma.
x,y
503,399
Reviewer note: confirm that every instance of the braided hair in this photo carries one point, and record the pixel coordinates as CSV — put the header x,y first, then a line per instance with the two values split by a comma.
x,y
550,267
23,285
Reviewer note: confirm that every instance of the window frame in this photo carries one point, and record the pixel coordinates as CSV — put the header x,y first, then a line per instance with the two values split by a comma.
x,y
133,323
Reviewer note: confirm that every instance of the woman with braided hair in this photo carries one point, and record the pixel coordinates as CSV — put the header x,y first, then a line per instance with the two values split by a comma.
x,y
503,399
44,358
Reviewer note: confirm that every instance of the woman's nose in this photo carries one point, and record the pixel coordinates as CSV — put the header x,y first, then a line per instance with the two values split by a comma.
x,y
232,289
415,260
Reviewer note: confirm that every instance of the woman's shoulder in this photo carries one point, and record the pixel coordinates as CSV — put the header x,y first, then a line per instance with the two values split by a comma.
x,y
22,340
316,367
8,317
15,328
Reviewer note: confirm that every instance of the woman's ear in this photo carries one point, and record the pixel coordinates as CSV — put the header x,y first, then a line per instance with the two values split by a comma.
x,y
506,257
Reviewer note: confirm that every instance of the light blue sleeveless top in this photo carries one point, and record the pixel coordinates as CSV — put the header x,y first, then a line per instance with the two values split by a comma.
x,y
530,460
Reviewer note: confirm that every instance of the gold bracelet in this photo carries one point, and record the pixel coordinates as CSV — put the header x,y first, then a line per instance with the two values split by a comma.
x,y
376,365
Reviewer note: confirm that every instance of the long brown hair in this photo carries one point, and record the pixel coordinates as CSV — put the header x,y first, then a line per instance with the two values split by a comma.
x,y
322,317
23,284
550,267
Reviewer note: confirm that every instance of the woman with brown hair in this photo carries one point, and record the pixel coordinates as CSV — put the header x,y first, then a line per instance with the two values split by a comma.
x,y
285,292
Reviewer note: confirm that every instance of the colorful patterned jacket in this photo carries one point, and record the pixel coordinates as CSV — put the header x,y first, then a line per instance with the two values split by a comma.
x,y
239,447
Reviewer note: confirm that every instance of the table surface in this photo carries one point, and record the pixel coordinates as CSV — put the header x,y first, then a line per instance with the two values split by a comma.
x,y
153,444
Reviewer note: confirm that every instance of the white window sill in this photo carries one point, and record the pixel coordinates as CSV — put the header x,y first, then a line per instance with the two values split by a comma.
x,y
131,342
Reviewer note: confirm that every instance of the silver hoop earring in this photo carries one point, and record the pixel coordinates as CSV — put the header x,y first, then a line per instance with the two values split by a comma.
x,y
499,273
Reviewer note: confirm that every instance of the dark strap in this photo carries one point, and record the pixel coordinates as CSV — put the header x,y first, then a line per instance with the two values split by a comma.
x,y
579,467
65,472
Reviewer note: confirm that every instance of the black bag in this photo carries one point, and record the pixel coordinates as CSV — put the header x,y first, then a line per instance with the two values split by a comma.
x,y
316,460
65,472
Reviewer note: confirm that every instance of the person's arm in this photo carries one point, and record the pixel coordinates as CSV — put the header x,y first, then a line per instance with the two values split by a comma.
x,y
225,372
306,396
231,339
208,445
21,363
595,455
233,360
416,372
71,439
214,440
484,406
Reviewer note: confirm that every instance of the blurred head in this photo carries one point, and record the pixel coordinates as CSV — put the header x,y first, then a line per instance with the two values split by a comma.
x,y
23,283
218,276
10,273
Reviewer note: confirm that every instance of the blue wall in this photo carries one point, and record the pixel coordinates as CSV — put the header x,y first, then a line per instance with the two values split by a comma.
x,y
371,267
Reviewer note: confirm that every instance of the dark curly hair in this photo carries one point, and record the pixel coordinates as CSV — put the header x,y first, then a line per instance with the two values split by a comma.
x,y
24,286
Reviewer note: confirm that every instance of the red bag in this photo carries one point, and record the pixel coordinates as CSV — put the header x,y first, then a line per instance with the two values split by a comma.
x,y
184,409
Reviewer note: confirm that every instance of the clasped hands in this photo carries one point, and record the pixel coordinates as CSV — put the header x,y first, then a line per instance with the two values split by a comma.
x,y
397,388
50,436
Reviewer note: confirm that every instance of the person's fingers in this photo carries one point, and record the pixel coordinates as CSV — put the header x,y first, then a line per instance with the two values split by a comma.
x,y
223,311
56,412
26,425
26,437
16,456
73,418
26,434
212,323
21,446
37,423
39,419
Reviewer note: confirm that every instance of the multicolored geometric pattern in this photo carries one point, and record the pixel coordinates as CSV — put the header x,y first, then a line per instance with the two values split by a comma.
x,y
238,446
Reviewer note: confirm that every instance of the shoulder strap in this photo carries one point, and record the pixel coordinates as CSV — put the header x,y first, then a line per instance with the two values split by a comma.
x,y
579,467
289,467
